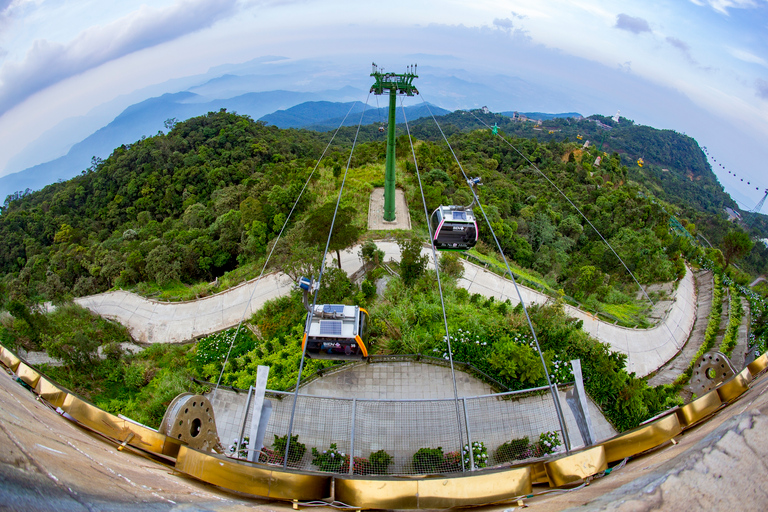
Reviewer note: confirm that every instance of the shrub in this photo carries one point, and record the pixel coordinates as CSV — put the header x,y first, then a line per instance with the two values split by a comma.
x,y
379,461
735,312
295,452
548,443
242,451
710,334
428,460
368,288
331,460
479,455
515,449
413,264
450,264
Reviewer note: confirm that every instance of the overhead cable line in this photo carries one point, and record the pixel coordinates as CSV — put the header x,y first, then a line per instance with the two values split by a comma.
x,y
440,289
583,216
553,390
287,219
317,287
571,203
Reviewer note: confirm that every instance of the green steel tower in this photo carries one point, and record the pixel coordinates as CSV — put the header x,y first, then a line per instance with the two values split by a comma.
x,y
393,83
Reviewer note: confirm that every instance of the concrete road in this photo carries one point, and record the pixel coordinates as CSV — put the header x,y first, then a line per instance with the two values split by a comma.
x,y
151,321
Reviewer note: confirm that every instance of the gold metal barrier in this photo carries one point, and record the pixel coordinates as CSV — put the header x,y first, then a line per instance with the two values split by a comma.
x,y
476,488
121,430
252,479
9,359
577,466
28,374
699,409
734,388
642,438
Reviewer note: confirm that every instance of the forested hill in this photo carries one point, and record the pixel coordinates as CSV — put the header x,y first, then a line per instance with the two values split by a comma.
x,y
675,168
209,196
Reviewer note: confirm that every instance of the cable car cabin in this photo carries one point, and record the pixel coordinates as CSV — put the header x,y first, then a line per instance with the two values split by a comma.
x,y
453,228
338,332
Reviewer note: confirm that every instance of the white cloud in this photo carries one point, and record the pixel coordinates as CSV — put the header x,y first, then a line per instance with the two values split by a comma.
x,y
749,57
723,5
47,63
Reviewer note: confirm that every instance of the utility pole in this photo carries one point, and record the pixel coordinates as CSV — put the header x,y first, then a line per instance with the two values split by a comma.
x,y
394,83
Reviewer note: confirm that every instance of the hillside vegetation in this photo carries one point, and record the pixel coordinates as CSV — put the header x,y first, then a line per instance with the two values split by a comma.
x,y
173,212
209,196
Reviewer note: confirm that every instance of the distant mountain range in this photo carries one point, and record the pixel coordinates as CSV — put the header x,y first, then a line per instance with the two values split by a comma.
x,y
326,115
285,109
147,117
258,87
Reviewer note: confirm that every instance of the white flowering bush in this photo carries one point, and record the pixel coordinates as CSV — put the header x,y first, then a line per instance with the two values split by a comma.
x,y
560,371
331,460
240,453
548,443
479,454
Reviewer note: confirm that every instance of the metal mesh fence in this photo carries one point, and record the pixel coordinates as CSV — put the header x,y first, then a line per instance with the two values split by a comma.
x,y
402,436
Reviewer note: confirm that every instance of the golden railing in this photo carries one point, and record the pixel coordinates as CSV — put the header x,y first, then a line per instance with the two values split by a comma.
x,y
385,492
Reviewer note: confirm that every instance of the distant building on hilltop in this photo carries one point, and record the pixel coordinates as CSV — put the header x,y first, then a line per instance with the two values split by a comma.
x,y
732,214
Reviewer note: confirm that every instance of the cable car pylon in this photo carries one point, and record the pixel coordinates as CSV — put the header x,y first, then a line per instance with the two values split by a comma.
x,y
759,205
394,83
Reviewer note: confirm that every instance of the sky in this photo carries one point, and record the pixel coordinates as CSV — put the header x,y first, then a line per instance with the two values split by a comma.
x,y
696,66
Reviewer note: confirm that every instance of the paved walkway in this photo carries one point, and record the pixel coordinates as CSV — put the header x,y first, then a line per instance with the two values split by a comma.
x,y
677,365
150,321
401,407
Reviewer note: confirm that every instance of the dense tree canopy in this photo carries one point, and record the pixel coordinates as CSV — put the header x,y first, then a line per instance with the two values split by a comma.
x,y
214,192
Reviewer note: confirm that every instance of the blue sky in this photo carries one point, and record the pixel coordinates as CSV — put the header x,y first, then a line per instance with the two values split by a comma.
x,y
696,66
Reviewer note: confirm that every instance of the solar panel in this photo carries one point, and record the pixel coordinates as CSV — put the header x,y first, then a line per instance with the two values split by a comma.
x,y
333,308
330,327
459,215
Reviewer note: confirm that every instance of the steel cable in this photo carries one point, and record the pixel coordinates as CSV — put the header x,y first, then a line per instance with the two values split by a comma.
x,y
440,289
552,388
277,240
319,280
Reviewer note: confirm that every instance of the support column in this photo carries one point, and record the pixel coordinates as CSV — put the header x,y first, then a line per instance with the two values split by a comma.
x,y
390,179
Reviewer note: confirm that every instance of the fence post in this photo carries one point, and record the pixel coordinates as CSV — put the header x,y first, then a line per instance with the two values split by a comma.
x,y
566,439
352,439
245,419
469,438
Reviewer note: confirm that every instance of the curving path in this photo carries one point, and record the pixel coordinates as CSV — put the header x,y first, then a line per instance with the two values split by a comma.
x,y
151,321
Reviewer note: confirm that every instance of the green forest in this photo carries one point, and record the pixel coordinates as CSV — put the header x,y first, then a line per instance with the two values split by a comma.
x,y
189,213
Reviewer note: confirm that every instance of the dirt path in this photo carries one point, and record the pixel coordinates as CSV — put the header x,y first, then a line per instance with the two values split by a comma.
x,y
677,365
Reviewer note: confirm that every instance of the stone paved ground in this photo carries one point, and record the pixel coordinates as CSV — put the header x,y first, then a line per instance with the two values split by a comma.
x,y
400,407
376,220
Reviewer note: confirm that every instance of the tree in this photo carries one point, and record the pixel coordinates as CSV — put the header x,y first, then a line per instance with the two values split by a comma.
x,y
345,232
163,264
736,244
371,254
412,263
76,350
